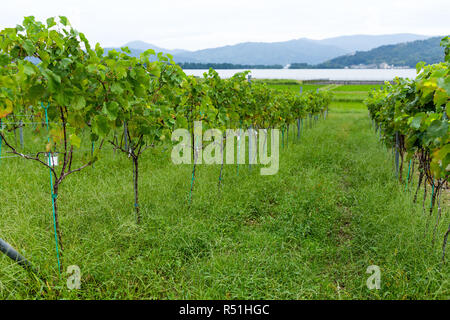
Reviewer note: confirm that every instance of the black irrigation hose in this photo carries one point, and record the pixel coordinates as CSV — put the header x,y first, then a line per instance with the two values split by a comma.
x,y
6,248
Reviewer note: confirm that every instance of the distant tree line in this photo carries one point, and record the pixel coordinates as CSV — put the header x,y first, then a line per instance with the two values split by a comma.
x,y
198,65
302,66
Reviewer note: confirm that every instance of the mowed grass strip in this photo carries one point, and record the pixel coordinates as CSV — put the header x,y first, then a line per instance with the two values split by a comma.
x,y
308,232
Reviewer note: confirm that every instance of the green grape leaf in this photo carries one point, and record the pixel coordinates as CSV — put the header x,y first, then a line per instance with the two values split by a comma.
x,y
51,22
79,102
116,88
29,47
419,66
28,70
444,83
100,126
75,140
415,123
437,129
63,20
111,109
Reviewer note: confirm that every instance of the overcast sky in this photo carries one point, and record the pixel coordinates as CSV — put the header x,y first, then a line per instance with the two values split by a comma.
x,y
198,24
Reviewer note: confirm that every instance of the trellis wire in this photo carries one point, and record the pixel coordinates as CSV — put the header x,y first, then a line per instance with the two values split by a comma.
x,y
23,123
32,155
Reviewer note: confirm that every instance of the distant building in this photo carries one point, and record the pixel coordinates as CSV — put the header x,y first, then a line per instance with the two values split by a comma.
x,y
384,65
402,67
363,66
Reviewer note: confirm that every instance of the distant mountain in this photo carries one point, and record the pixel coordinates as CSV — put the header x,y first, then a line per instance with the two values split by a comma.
x,y
402,54
134,52
368,42
270,53
248,53
142,46
137,47
264,53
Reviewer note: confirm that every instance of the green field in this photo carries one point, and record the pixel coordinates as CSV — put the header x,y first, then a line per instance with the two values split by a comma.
x,y
357,87
349,93
341,93
296,87
308,232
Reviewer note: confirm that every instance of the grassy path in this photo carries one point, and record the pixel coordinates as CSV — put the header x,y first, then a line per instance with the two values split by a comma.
x,y
310,231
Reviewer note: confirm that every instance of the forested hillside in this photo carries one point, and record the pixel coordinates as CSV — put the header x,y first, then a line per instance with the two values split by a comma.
x,y
403,54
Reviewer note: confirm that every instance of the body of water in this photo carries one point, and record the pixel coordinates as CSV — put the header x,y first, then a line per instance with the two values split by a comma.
x,y
313,74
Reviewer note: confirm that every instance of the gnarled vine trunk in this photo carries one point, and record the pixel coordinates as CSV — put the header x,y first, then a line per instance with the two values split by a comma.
x,y
136,188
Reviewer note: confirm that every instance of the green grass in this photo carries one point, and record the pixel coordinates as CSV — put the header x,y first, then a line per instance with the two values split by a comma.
x,y
352,93
296,88
278,81
348,106
308,232
349,96
341,93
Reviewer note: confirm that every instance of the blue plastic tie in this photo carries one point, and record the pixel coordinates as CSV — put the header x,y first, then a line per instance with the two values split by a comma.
x,y
54,196
1,140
